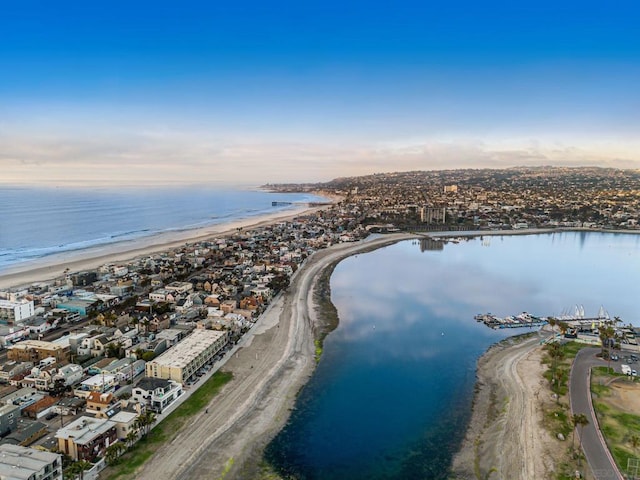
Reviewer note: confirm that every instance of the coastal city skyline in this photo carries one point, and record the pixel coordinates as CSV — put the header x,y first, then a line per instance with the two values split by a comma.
x,y
297,92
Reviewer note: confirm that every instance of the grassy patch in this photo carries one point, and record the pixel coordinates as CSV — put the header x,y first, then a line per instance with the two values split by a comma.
x,y
571,349
616,424
558,421
168,428
318,345
600,390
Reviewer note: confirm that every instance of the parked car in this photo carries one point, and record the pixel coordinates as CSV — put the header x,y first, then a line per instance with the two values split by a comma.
x,y
615,357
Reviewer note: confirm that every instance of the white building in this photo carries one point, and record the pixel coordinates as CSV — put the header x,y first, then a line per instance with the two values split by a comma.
x,y
101,383
156,393
179,287
181,362
162,295
13,312
70,374
19,463
15,333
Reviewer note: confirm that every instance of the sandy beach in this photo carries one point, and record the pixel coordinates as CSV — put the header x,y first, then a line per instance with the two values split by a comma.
x,y
276,359
54,266
505,438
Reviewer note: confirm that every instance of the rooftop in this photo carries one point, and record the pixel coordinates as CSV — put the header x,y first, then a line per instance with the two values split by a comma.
x,y
22,462
186,351
85,429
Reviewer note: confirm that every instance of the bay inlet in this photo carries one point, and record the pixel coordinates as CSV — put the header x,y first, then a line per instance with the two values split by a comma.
x,y
391,396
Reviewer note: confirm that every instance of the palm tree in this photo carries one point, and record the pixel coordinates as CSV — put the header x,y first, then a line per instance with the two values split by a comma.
x,y
606,334
77,468
559,376
556,353
131,437
564,326
114,451
635,442
144,421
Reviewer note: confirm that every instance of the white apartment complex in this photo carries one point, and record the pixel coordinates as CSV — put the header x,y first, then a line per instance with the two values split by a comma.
x,y
181,362
12,312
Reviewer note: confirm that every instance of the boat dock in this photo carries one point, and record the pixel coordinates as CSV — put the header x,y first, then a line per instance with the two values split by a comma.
x,y
512,321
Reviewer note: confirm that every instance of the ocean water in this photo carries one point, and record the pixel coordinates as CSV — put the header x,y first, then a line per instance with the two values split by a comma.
x,y
36,222
392,394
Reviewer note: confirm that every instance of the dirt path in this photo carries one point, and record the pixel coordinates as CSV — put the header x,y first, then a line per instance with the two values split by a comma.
x,y
505,439
268,373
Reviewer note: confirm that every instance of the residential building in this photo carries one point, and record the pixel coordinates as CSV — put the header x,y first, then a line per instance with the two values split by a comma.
x,y
13,333
13,312
86,438
13,368
124,423
35,350
181,362
179,287
22,397
156,393
82,306
9,415
70,374
99,404
22,463
98,383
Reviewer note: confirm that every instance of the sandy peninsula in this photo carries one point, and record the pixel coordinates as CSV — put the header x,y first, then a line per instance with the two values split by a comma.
x,y
505,438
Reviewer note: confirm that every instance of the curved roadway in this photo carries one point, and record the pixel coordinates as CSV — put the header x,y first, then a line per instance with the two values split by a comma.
x,y
593,444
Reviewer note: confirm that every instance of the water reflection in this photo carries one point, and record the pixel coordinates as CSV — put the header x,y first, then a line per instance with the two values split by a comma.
x,y
392,393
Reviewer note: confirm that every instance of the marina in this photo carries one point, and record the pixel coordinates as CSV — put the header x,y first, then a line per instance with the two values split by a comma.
x,y
575,321
512,321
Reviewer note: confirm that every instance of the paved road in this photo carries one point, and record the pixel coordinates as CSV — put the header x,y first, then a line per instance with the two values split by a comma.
x,y
595,450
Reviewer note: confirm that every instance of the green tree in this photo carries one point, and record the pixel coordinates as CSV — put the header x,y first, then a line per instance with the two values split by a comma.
x,y
114,451
606,336
635,442
132,437
144,422
76,469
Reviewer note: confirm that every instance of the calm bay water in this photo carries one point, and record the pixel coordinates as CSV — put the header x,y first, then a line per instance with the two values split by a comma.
x,y
35,222
392,394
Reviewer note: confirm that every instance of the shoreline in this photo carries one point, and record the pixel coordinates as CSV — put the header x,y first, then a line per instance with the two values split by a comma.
x,y
505,435
53,266
256,404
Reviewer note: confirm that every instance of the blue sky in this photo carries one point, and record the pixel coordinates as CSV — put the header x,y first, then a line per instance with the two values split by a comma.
x,y
246,92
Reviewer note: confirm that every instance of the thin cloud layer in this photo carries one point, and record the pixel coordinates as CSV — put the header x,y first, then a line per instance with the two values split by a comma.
x,y
161,158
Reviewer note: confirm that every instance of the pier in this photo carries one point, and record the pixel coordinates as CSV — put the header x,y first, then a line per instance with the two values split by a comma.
x,y
306,204
512,321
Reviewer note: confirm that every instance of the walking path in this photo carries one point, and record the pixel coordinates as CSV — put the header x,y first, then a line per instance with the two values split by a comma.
x,y
275,361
